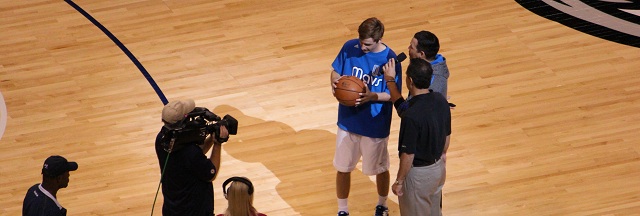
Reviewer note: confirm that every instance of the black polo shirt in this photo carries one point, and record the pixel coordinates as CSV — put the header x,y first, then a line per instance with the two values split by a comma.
x,y
39,202
424,128
185,186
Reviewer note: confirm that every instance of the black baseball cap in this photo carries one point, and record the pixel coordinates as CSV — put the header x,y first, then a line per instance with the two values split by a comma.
x,y
56,165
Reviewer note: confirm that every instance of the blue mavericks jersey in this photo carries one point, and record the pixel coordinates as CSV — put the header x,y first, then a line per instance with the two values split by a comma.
x,y
374,118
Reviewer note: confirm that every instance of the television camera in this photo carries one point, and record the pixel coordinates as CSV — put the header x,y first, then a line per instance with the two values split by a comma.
x,y
195,127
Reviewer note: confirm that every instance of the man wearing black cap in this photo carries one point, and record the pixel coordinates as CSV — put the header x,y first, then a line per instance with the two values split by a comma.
x,y
41,198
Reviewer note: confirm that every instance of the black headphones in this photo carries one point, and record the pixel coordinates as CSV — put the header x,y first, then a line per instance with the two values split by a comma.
x,y
238,179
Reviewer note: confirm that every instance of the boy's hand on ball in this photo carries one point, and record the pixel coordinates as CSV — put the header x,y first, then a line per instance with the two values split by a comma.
x,y
334,85
366,97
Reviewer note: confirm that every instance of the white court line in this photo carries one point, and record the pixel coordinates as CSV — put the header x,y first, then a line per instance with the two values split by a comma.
x,y
3,115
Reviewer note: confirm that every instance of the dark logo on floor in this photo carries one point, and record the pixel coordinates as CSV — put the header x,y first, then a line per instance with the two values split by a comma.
x,y
614,20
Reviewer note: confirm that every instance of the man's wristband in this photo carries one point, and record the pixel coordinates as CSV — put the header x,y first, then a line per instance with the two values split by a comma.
x,y
389,79
399,182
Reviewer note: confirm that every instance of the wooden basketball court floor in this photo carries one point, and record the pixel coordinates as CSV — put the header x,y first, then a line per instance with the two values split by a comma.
x,y
547,120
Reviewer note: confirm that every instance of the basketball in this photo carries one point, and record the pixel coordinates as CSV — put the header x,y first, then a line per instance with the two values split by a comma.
x,y
348,89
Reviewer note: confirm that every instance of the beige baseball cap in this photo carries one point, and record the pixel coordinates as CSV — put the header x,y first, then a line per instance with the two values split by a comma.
x,y
175,111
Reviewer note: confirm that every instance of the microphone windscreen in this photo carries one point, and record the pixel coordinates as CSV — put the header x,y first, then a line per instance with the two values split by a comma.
x,y
401,57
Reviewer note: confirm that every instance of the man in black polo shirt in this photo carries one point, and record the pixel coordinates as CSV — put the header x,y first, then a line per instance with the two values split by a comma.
x,y
41,199
424,136
188,173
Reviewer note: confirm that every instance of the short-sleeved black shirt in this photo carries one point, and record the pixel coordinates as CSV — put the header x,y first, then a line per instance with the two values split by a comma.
x,y
185,185
424,127
38,203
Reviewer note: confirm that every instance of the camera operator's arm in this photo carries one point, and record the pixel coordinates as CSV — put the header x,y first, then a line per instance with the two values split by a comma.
x,y
208,142
217,148
211,140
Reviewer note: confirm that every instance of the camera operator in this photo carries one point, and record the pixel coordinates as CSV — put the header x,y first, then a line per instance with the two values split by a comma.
x,y
187,172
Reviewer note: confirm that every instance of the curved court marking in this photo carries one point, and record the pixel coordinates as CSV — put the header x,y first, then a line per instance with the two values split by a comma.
x,y
583,11
123,48
613,20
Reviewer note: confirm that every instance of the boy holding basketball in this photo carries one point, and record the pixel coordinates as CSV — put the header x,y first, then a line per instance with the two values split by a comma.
x,y
363,129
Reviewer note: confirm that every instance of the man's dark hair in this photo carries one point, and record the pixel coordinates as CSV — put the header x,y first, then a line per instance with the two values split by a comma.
x,y
371,28
420,71
427,43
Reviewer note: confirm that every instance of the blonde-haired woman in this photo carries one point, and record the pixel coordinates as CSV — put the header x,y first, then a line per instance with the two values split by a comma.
x,y
239,194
